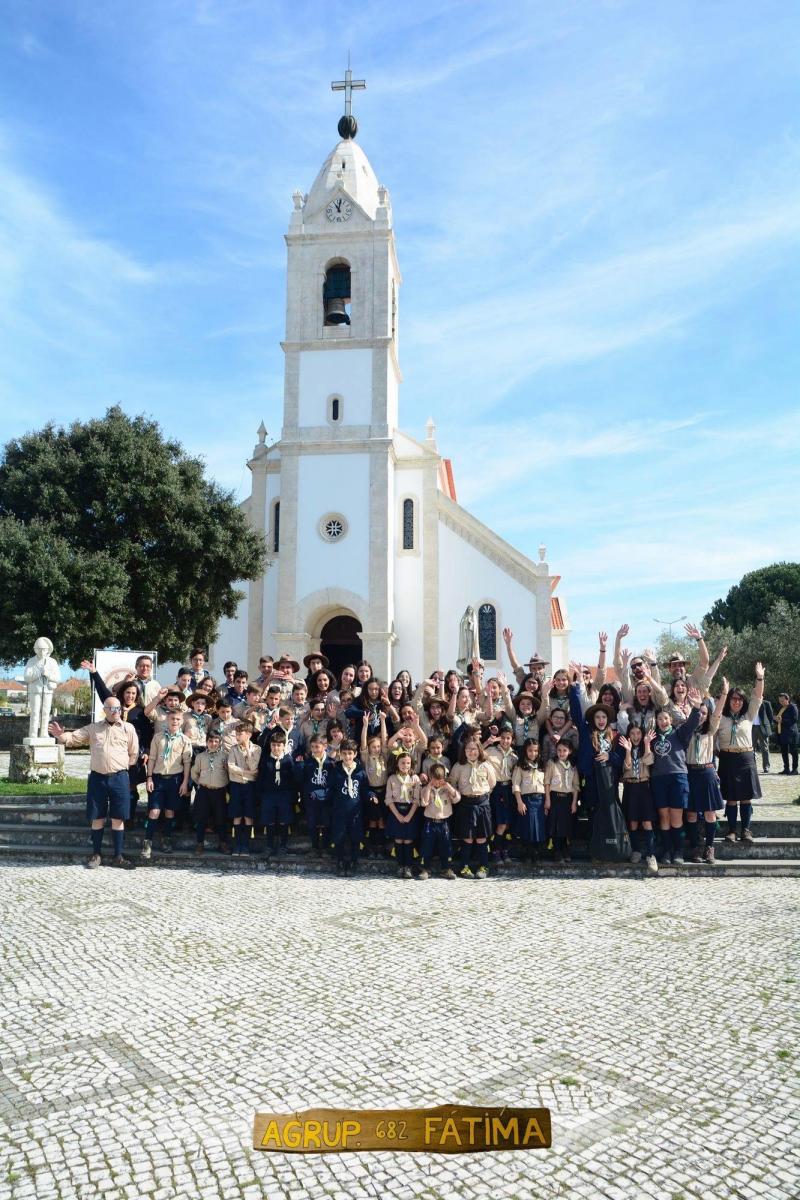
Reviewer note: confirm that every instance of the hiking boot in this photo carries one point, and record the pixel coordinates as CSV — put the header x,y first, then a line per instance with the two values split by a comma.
x,y
678,860
93,862
199,848
407,873
423,874
747,835
146,850
636,857
124,863
696,857
709,856
166,846
450,873
481,873
651,864
731,837
466,873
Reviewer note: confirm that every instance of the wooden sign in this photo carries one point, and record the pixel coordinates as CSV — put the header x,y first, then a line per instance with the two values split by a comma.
x,y
448,1129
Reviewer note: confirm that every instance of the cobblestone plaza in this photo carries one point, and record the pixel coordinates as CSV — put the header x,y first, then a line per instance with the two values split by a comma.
x,y
147,1015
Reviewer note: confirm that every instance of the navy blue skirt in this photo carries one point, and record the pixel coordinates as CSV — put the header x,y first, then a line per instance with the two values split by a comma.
x,y
637,801
704,790
503,805
530,829
738,776
397,830
473,818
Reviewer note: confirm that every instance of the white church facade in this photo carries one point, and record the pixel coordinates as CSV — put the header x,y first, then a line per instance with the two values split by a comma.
x,y
371,556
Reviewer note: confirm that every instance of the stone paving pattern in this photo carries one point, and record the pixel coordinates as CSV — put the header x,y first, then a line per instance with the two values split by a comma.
x,y
145,1016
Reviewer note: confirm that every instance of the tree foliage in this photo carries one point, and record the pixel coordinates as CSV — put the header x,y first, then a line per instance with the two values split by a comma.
x,y
749,602
110,536
775,642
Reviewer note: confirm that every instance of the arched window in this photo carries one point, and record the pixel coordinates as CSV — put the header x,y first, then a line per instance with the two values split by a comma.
x,y
336,295
408,524
276,527
487,632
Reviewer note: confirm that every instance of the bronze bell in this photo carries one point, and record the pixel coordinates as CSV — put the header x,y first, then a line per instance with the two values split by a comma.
x,y
335,312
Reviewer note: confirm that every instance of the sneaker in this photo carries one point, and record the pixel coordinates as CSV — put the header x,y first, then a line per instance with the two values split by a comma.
x,y
199,848
423,874
93,862
481,873
651,864
747,835
709,856
450,873
166,846
466,873
407,873
146,850
731,837
636,857
678,860
124,863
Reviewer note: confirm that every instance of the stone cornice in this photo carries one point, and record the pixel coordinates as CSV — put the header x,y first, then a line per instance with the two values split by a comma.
x,y
375,343
504,555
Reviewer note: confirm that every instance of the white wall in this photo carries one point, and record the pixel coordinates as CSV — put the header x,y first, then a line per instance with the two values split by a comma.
x,y
408,592
333,483
347,373
467,577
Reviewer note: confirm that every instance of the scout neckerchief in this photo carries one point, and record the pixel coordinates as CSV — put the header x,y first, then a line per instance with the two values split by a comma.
x,y
169,741
662,737
211,758
406,784
437,799
319,777
376,765
477,778
349,781
636,763
277,759
505,764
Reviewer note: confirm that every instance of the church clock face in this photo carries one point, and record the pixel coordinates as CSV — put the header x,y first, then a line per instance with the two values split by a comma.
x,y
339,210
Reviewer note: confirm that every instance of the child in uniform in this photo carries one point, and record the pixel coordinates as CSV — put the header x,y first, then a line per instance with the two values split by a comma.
x,y
168,766
275,786
502,757
167,700
314,723
197,721
335,737
243,762
527,788
225,723
561,784
434,756
210,775
705,797
374,759
347,788
525,724
314,780
409,738
402,803
669,777
637,798
474,779
438,798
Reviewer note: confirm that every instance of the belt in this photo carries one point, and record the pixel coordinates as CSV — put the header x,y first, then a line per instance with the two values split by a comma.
x,y
474,799
737,750
699,766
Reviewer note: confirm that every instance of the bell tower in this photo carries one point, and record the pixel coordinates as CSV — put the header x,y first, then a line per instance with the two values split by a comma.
x,y
340,410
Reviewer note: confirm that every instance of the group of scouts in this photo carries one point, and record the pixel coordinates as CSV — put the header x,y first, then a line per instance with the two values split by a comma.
x,y
457,769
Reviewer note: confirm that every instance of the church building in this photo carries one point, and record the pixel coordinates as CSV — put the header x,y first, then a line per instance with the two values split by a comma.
x,y
371,555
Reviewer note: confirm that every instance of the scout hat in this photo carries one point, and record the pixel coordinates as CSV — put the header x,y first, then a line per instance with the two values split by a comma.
x,y
193,696
537,663
675,660
322,658
285,661
595,708
535,701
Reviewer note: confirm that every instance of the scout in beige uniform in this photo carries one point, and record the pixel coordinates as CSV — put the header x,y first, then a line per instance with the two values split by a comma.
x,y
527,789
210,774
503,759
113,748
438,798
168,767
561,785
738,777
474,779
243,762
705,797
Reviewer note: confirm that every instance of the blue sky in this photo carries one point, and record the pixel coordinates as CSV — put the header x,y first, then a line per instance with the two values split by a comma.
x,y
597,208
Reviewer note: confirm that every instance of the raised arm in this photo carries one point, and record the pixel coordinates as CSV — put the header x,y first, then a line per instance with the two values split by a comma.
x,y
758,693
622,633
505,695
508,638
702,649
600,674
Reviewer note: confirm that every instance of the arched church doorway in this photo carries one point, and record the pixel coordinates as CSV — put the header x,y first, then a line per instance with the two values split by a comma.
x,y
340,641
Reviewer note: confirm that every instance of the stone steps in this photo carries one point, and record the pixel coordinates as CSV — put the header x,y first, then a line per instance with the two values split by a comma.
x,y
317,864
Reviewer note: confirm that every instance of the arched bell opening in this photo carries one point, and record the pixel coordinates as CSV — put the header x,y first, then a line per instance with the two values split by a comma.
x,y
336,294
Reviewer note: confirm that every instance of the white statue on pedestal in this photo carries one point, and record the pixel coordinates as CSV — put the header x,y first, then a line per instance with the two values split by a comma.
x,y
42,675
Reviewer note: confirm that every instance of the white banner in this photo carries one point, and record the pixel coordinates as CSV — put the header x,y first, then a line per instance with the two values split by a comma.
x,y
112,667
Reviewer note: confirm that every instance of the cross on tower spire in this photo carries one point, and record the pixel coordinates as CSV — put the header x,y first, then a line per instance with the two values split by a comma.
x,y
348,126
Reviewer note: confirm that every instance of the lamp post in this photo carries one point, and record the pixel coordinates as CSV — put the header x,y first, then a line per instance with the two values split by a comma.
x,y
669,624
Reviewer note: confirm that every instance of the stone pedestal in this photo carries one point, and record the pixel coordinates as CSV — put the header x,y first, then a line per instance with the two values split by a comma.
x,y
37,760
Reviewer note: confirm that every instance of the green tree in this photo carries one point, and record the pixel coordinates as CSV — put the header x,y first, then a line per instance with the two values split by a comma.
x,y
82,701
111,536
749,601
775,642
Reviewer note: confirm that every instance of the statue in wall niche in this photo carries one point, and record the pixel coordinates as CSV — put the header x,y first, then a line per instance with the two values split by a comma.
x,y
468,642
42,675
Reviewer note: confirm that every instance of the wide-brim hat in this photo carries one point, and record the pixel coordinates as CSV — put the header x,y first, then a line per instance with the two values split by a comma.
x,y
190,699
323,658
176,691
595,708
535,700
675,660
537,663
285,661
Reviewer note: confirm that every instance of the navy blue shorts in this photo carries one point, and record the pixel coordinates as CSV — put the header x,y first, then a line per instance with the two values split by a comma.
x,y
165,792
108,796
243,801
436,840
670,791
503,804
347,829
276,808
318,810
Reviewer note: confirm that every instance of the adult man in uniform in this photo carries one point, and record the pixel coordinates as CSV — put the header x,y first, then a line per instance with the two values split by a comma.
x,y
113,747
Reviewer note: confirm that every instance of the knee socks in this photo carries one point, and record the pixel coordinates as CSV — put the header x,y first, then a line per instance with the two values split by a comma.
x,y
283,836
649,842
711,829
730,813
97,839
150,826
694,834
747,813
200,829
676,840
117,837
466,853
483,854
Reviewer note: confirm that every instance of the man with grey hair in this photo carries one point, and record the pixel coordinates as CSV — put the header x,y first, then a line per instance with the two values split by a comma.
x,y
113,747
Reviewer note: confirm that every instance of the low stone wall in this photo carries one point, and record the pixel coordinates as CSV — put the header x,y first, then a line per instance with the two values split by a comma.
x,y
14,729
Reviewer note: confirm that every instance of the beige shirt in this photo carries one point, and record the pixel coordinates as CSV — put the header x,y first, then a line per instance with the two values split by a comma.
x,y
196,726
180,754
503,762
243,763
700,751
112,746
439,803
211,770
645,763
403,789
561,776
738,735
473,779
375,770
528,781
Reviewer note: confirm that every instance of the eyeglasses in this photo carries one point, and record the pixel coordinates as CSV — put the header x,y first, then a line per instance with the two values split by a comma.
x,y
112,708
